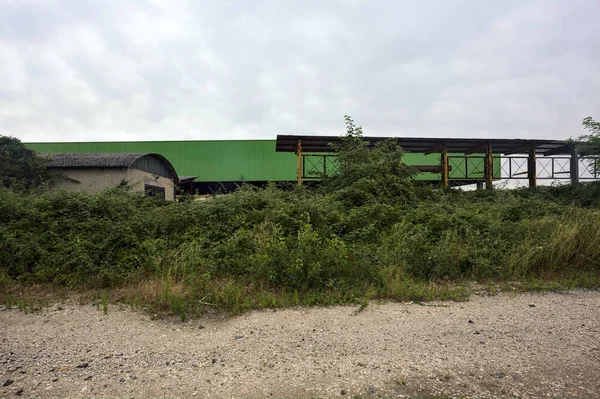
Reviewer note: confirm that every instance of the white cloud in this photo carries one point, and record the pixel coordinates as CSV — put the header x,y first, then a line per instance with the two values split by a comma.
x,y
165,70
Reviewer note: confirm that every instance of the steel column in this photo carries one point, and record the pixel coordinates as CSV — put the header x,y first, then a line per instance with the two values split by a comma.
x,y
488,167
445,166
299,154
574,166
532,166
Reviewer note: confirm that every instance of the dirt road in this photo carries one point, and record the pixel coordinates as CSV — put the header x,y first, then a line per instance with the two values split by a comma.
x,y
529,346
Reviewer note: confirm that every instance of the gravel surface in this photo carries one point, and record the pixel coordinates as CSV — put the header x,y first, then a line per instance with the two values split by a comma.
x,y
529,346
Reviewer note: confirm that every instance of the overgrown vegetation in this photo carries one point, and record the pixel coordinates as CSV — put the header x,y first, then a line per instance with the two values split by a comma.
x,y
20,168
589,145
365,234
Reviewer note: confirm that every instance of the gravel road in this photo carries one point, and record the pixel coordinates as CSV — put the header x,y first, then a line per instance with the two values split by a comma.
x,y
529,346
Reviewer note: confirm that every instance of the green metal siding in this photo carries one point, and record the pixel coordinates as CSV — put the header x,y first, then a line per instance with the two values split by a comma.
x,y
211,161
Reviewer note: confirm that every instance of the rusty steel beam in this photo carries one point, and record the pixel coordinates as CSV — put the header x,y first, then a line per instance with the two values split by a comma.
x,y
524,149
445,167
435,148
299,154
478,148
430,168
565,149
488,166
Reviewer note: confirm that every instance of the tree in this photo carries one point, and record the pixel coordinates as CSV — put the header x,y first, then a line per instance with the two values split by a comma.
x,y
20,167
589,145
369,173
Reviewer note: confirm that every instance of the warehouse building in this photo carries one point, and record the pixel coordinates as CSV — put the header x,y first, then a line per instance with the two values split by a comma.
x,y
94,172
211,165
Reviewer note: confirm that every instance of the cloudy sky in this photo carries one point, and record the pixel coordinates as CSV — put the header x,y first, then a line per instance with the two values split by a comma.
x,y
78,70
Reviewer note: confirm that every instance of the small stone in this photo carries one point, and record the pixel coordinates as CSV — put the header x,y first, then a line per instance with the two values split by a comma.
x,y
471,321
83,366
7,383
89,377
477,332
55,380
238,337
122,380
213,361
201,327
19,392
532,305
343,392
372,390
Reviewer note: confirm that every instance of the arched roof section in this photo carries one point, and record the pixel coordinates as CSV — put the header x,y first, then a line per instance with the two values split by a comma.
x,y
143,161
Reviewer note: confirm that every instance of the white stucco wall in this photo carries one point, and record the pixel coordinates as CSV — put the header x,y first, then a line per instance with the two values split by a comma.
x,y
93,180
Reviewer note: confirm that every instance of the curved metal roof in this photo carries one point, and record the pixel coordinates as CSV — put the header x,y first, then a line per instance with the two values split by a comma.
x,y
103,160
426,145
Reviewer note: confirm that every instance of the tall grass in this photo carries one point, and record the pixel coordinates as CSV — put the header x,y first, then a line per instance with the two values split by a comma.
x,y
559,246
269,247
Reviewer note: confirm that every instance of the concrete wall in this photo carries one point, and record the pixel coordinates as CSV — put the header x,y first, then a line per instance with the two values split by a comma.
x,y
142,178
93,180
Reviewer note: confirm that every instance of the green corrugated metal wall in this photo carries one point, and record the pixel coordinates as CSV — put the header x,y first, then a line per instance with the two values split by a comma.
x,y
211,161
223,161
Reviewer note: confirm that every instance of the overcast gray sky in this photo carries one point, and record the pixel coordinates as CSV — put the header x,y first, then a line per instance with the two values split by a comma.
x,y
79,70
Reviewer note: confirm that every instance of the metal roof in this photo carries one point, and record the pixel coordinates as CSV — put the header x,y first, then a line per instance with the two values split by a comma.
x,y
426,145
186,179
102,160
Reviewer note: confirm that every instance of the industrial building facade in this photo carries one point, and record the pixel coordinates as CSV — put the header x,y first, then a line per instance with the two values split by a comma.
x,y
217,164
206,166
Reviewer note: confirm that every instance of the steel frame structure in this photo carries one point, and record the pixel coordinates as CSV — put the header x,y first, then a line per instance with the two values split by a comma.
x,y
495,151
472,168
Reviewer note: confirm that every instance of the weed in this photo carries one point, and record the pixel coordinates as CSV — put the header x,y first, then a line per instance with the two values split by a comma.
x,y
104,301
401,381
363,303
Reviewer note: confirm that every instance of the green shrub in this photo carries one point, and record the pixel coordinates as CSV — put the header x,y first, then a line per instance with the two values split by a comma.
x,y
367,232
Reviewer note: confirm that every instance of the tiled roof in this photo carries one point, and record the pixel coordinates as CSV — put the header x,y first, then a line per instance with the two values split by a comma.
x,y
103,160
71,160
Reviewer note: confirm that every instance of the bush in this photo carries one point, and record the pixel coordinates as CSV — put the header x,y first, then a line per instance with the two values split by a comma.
x,y
367,232
291,239
20,167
